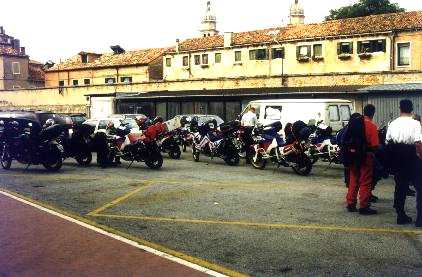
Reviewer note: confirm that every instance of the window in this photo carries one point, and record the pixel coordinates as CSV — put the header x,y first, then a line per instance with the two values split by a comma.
x,y
197,59
334,113
345,112
87,82
126,80
204,58
75,83
371,46
238,56
61,83
403,54
185,60
16,68
345,48
303,51
317,50
168,62
258,54
273,112
217,57
110,80
278,53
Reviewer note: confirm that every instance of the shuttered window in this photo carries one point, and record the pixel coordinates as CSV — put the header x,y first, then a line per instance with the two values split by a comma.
x,y
371,46
403,54
345,48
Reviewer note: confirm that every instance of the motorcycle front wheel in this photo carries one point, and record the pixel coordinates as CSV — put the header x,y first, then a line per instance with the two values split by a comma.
x,y
6,160
195,153
84,159
303,168
155,161
258,161
175,152
55,161
232,159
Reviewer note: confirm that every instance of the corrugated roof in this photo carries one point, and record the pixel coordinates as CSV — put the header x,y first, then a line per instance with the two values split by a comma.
x,y
136,57
405,87
334,28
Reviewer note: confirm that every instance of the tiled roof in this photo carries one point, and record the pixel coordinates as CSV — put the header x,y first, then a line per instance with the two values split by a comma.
x,y
334,28
136,57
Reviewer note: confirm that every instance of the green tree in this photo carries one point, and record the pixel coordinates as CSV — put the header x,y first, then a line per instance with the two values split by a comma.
x,y
364,8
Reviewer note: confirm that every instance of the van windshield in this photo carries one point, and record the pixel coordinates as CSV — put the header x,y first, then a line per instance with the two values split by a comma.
x,y
345,112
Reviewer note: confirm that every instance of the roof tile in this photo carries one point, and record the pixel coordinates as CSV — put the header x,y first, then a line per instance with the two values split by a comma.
x,y
345,27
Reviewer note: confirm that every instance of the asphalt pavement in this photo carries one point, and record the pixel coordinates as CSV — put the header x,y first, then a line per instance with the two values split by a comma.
x,y
235,219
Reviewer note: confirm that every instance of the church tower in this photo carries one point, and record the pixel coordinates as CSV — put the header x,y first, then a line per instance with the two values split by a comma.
x,y
209,22
297,14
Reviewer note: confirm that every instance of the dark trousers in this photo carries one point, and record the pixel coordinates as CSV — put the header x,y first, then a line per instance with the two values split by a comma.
x,y
249,142
417,182
404,165
400,193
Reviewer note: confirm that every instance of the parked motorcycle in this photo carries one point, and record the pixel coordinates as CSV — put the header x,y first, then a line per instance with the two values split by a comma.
x,y
79,144
28,143
323,145
132,147
270,147
213,142
168,143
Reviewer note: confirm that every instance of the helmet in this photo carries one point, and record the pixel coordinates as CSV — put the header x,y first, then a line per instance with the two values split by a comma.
x,y
158,119
140,119
110,124
49,122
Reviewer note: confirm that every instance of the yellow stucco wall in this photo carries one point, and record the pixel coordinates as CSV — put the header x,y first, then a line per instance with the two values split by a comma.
x,y
415,40
379,61
97,76
75,99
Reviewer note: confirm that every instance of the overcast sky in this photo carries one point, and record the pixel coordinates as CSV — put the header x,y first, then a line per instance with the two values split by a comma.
x,y
58,29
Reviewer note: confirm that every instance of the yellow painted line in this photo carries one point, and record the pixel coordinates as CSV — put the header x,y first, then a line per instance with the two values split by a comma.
x,y
271,225
158,247
118,200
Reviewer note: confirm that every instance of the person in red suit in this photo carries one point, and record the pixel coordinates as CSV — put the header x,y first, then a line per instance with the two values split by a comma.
x,y
361,173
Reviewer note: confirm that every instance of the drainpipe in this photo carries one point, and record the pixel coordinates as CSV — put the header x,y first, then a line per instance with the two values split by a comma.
x,y
393,50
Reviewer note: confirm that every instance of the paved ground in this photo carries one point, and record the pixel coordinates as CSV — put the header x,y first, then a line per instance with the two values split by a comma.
x,y
262,223
35,243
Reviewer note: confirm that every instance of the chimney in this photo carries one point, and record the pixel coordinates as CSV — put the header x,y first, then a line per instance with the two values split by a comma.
x,y
16,44
177,45
228,39
1,30
22,50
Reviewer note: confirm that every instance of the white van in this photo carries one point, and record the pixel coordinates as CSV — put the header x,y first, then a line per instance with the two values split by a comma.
x,y
333,112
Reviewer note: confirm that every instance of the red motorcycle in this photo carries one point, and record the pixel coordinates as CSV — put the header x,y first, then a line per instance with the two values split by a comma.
x,y
131,147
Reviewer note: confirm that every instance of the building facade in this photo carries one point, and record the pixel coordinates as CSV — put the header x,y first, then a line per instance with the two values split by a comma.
x,y
373,44
17,71
118,67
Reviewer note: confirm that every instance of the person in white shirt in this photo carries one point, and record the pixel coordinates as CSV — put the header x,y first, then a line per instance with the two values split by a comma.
x,y
249,119
403,135
248,122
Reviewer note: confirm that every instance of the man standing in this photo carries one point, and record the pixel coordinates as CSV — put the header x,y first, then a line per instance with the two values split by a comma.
x,y
248,122
362,170
403,136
